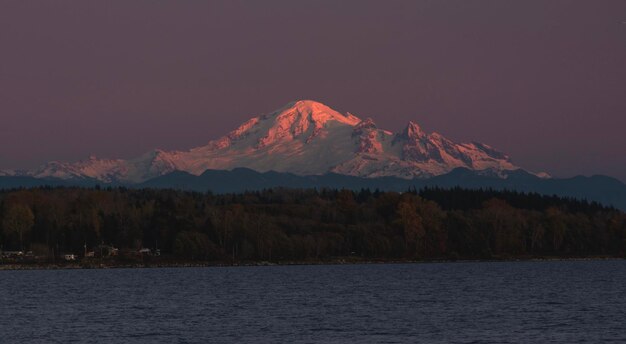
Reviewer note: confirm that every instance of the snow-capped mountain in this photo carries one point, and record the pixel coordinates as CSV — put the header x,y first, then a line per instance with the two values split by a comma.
x,y
305,138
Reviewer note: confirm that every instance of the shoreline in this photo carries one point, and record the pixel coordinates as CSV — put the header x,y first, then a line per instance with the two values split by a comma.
x,y
190,264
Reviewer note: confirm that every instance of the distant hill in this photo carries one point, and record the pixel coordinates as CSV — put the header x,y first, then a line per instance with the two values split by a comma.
x,y
602,189
605,190
12,182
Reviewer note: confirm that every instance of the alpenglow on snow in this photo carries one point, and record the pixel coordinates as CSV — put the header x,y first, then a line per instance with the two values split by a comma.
x,y
305,138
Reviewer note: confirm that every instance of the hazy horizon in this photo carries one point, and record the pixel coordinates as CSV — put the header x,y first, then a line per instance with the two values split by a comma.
x,y
542,82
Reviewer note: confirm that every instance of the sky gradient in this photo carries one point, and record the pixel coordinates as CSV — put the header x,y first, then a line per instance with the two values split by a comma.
x,y
544,81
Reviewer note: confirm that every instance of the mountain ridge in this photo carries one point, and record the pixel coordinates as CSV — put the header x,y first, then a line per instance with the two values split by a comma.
x,y
304,137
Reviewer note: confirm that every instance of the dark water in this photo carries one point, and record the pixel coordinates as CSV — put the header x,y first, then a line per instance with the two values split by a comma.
x,y
514,302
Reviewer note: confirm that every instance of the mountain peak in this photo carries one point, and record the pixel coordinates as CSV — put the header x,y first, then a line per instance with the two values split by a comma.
x,y
308,104
303,119
303,106
413,131
316,112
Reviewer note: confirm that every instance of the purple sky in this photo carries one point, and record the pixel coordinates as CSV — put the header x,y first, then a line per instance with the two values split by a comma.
x,y
544,81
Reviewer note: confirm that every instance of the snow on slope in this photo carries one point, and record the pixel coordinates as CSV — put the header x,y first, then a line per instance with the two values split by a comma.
x,y
304,137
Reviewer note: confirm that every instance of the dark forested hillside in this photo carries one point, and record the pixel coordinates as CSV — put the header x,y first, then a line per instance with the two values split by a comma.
x,y
602,189
304,225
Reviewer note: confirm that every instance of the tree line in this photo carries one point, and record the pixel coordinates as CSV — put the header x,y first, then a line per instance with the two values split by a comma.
x,y
309,224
